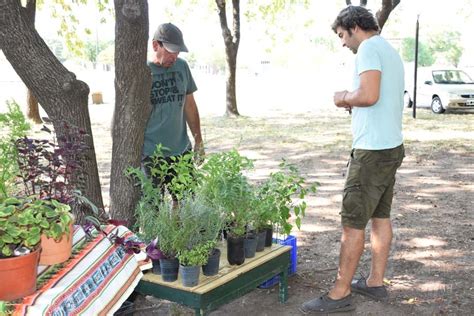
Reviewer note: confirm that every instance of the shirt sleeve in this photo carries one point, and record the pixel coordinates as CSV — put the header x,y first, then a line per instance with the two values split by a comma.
x,y
368,58
191,87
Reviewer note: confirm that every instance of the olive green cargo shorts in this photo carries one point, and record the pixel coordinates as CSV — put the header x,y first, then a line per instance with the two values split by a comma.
x,y
368,190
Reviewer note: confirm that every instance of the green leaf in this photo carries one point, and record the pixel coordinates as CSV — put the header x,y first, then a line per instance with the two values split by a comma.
x,y
7,239
14,231
32,240
7,211
6,251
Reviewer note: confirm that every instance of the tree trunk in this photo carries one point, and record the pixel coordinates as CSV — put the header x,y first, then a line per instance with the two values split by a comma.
x,y
132,104
63,97
231,48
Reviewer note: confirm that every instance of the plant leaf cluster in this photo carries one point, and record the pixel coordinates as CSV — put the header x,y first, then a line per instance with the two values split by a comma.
x,y
22,221
223,183
13,125
47,167
276,198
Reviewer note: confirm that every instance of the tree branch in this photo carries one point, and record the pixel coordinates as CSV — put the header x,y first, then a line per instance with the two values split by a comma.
x,y
362,3
226,34
236,22
384,12
31,10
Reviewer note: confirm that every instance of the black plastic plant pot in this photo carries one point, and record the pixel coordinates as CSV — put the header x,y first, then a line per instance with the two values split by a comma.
x,y
268,236
156,268
235,250
250,246
212,266
190,275
169,269
261,236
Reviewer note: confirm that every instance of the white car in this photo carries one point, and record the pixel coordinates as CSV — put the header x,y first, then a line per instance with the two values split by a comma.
x,y
442,89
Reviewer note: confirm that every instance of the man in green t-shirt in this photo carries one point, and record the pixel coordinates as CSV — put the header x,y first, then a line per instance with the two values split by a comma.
x,y
172,100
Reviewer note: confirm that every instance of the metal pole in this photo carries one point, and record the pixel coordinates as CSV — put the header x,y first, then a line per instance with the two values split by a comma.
x,y
416,64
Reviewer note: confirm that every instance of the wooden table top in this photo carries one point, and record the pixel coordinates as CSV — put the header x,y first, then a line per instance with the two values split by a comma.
x,y
226,273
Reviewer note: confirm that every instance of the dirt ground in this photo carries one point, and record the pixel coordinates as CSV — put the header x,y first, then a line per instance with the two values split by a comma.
x,y
430,268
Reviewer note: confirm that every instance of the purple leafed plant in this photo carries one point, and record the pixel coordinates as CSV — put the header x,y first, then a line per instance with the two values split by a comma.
x,y
153,252
130,245
53,168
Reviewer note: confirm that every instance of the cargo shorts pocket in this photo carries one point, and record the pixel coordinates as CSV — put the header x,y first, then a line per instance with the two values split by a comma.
x,y
353,177
352,207
384,172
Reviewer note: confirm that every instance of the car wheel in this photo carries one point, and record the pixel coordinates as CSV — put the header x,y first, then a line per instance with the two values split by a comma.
x,y
407,102
437,106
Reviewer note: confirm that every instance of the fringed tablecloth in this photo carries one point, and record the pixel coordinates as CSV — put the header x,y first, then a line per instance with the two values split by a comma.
x,y
97,279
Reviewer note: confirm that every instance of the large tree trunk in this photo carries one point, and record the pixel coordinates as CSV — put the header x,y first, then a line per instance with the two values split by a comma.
x,y
231,48
63,97
132,104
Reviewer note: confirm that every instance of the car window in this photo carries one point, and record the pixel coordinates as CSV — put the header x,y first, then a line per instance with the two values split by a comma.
x,y
451,77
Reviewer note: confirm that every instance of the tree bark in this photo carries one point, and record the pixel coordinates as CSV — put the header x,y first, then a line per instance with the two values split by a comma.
x,y
63,97
384,12
231,48
132,104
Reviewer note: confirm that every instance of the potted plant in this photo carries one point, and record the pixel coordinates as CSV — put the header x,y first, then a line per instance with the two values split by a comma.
x,y
211,267
223,182
282,196
169,238
154,254
20,235
56,224
200,224
191,260
289,192
146,213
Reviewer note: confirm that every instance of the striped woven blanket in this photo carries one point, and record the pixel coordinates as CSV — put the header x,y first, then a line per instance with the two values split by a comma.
x,y
97,279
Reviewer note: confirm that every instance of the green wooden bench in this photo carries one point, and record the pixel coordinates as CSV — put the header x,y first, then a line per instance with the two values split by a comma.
x,y
230,283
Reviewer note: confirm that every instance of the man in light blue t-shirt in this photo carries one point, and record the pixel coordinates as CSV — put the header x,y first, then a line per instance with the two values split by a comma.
x,y
172,101
376,104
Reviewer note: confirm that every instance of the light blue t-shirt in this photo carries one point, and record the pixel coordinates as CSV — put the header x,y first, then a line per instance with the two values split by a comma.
x,y
167,124
379,126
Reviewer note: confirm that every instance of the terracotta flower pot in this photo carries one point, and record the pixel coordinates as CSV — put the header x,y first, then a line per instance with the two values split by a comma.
x,y
18,276
54,252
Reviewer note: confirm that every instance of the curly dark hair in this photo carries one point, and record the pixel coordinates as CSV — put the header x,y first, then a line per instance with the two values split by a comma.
x,y
353,16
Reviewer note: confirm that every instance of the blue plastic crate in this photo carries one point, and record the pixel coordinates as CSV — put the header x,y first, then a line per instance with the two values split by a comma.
x,y
289,241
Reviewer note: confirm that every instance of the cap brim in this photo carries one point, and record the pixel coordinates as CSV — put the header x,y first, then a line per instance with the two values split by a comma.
x,y
173,48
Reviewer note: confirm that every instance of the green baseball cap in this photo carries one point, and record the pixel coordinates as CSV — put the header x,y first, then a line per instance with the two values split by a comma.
x,y
171,37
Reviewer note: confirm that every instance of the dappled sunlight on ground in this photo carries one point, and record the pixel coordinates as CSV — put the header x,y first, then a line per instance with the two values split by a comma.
x,y
432,210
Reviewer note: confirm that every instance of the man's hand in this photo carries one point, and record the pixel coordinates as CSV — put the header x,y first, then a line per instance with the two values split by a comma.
x,y
341,101
199,152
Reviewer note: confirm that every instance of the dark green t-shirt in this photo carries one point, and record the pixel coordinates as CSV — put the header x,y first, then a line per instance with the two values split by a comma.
x,y
167,123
